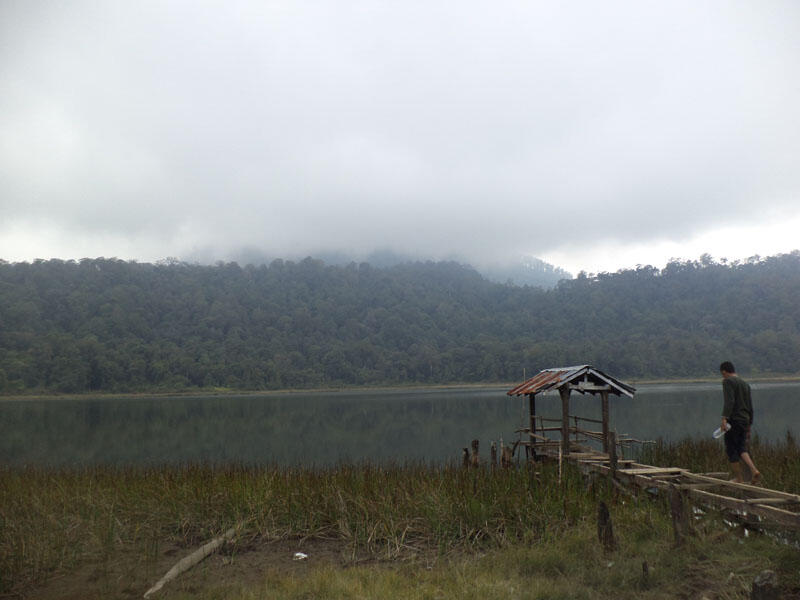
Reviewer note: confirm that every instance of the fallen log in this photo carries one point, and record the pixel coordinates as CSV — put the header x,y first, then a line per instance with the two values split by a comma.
x,y
188,562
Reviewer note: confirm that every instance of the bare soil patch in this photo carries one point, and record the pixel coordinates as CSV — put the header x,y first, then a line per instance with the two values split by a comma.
x,y
243,563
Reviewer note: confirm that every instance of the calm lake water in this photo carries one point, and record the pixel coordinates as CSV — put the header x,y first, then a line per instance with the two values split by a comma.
x,y
325,427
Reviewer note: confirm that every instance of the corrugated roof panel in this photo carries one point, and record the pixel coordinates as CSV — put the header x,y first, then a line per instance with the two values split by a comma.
x,y
543,381
556,377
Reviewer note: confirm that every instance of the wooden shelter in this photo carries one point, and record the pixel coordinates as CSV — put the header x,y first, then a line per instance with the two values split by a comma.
x,y
584,379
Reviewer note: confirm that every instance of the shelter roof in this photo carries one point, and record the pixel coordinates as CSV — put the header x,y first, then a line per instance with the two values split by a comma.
x,y
581,378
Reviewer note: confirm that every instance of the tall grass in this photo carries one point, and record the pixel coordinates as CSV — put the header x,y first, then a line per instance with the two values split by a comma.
x,y
53,521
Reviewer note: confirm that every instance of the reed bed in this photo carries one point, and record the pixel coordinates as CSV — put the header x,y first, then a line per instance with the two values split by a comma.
x,y
52,521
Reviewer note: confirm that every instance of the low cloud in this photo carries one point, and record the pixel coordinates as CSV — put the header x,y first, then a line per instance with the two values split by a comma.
x,y
484,132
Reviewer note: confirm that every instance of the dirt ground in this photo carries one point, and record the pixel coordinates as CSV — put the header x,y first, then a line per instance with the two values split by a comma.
x,y
245,563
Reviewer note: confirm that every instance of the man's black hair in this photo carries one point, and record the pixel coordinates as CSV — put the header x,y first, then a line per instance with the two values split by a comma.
x,y
728,367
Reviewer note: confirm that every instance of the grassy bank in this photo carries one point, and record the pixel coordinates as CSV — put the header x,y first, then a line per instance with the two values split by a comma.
x,y
389,531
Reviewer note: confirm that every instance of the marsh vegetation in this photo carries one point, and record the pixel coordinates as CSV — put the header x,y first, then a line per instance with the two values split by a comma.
x,y
391,530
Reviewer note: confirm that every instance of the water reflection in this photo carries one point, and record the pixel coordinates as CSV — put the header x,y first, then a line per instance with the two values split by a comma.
x,y
323,428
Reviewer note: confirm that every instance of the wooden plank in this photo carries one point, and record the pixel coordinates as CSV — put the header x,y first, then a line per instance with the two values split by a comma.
x,y
602,461
585,419
771,500
744,486
770,513
639,480
778,515
653,471
589,387
577,455
695,486
551,420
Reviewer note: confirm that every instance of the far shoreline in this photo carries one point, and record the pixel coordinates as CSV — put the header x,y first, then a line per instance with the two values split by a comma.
x,y
224,392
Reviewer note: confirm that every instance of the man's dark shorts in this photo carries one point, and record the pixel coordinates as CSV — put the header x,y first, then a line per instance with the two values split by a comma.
x,y
736,441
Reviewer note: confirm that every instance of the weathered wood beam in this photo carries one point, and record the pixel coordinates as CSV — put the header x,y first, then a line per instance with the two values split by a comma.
x,y
605,420
745,487
761,507
784,517
653,471
532,414
771,500
695,486
589,387
564,393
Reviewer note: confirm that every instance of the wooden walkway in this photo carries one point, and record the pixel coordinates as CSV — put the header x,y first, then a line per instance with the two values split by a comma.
x,y
708,489
753,503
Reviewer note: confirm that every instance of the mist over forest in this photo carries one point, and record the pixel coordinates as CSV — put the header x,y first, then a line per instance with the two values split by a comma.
x,y
525,270
115,326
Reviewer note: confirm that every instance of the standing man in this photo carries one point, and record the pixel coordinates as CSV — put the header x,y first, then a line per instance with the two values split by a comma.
x,y
737,412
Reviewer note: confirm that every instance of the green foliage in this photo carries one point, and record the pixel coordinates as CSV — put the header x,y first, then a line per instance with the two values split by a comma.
x,y
110,325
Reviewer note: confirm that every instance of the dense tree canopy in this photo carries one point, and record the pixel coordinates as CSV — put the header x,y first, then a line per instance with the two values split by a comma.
x,y
111,325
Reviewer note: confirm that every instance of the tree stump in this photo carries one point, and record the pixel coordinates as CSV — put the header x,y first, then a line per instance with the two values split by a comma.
x,y
765,586
605,530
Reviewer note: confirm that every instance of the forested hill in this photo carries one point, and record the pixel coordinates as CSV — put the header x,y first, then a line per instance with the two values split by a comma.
x,y
111,325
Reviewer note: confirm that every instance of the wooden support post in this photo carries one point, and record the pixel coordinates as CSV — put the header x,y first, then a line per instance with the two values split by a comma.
x,y
532,407
604,400
564,391
494,453
605,530
612,453
680,516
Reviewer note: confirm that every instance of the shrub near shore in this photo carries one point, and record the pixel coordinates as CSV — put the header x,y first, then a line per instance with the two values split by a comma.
x,y
117,530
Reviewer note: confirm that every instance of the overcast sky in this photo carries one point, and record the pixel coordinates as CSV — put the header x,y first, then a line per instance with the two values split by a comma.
x,y
595,135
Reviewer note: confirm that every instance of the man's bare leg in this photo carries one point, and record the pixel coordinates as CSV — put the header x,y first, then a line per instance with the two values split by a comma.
x,y
750,465
737,472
